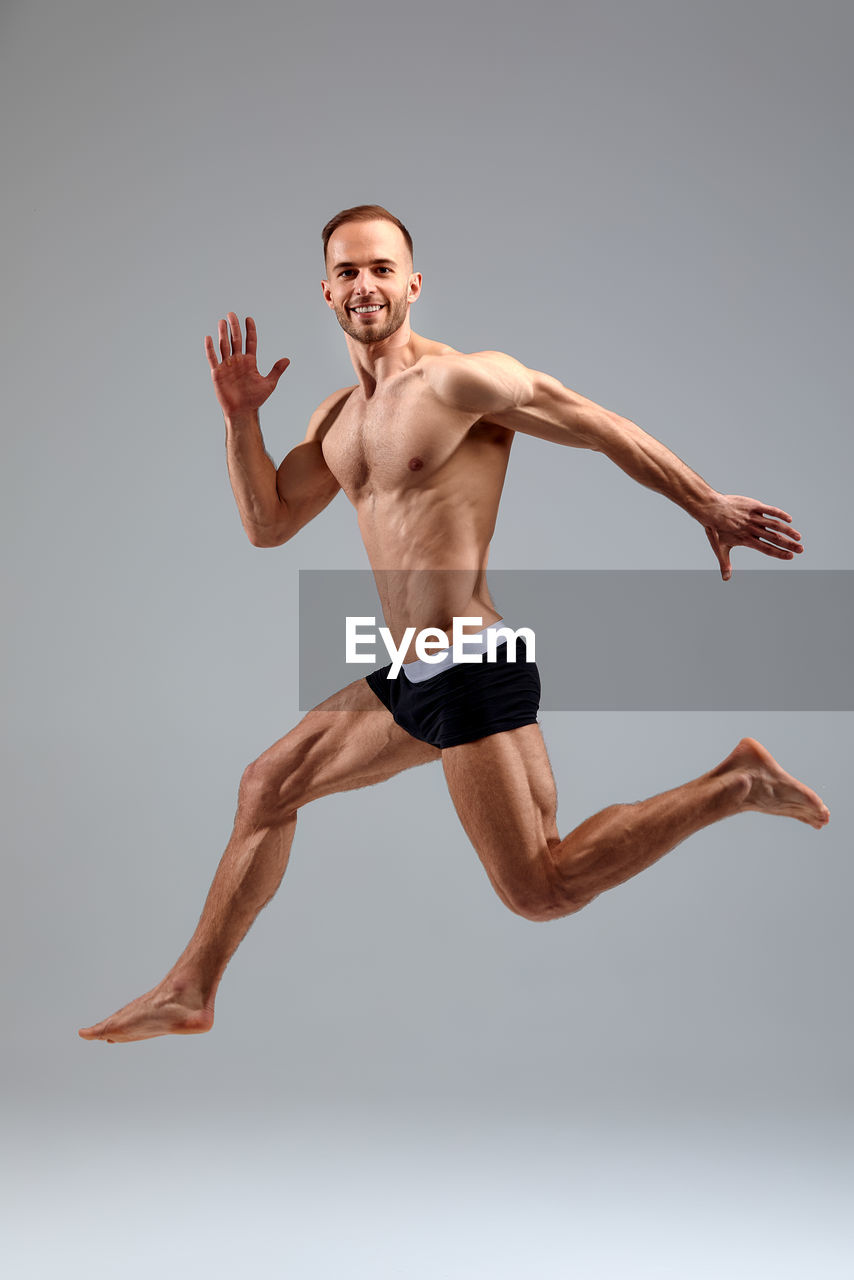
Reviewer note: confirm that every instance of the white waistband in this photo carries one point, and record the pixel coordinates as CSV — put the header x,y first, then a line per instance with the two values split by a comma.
x,y
475,642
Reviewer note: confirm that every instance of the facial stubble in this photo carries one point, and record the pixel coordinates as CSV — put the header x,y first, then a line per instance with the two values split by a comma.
x,y
376,333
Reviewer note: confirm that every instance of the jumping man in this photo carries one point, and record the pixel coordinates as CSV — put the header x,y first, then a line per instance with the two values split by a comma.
x,y
420,445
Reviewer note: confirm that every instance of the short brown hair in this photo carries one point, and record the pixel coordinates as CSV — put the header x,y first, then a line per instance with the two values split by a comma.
x,y
363,213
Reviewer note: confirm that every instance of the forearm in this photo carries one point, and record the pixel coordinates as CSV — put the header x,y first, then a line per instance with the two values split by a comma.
x,y
253,479
551,411
652,464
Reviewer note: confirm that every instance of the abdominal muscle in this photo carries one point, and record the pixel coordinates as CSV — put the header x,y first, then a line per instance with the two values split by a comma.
x,y
428,556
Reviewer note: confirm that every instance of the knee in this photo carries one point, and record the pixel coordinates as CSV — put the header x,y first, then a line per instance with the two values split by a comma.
x,y
546,894
266,793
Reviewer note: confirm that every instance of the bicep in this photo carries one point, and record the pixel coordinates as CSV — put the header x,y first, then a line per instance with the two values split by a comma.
x,y
501,389
304,483
304,470
304,475
555,413
305,486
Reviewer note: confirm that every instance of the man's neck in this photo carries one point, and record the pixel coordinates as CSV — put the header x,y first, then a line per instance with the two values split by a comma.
x,y
376,362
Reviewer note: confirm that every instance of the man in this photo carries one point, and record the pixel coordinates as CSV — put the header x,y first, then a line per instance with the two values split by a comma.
x,y
420,445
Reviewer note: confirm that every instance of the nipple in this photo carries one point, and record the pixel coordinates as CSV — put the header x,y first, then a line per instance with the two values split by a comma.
x,y
415,464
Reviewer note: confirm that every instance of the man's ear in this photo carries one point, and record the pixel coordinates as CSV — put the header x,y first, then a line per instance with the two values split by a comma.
x,y
327,294
414,286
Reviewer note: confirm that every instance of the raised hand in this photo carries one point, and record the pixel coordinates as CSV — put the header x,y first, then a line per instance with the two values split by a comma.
x,y
744,522
239,387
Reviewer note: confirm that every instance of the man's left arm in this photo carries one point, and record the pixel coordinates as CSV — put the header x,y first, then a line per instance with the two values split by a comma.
x,y
539,405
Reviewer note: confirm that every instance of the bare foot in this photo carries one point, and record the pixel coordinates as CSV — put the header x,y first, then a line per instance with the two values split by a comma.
x,y
166,1010
772,790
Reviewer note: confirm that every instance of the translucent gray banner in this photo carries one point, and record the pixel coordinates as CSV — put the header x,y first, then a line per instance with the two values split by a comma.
x,y
630,640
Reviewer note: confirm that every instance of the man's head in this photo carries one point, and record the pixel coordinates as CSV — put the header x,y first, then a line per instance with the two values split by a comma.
x,y
370,282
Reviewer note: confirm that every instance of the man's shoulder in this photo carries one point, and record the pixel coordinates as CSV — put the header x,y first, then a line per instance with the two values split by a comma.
x,y
476,380
327,411
447,360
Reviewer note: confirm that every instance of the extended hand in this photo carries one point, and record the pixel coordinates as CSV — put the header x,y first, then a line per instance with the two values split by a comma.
x,y
744,522
239,387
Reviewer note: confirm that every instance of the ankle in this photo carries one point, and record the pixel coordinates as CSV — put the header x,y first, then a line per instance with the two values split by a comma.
x,y
736,787
190,986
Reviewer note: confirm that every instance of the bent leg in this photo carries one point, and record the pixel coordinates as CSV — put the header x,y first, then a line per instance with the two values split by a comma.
x,y
503,790
348,741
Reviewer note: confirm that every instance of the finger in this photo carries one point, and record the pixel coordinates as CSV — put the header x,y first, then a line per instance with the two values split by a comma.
x,y
781,528
761,510
278,369
789,541
251,337
236,334
769,549
724,561
224,344
210,352
721,553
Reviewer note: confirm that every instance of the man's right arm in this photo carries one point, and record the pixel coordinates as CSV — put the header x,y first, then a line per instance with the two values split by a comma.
x,y
273,504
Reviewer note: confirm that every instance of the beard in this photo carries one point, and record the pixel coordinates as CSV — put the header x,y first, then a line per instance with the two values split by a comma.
x,y
384,328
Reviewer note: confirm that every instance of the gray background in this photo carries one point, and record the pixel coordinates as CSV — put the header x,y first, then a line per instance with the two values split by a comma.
x,y
647,200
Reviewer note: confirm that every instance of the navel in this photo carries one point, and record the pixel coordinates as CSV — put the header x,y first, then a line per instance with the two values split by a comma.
x,y
415,464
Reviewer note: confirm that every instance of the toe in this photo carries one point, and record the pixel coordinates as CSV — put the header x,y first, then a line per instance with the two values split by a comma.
x,y
95,1032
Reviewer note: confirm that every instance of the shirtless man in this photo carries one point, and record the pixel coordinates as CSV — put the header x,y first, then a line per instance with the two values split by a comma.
x,y
420,446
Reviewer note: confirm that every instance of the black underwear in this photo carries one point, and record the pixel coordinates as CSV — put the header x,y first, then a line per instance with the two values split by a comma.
x,y
464,702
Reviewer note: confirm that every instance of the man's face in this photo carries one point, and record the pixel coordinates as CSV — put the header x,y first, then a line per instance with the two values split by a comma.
x,y
370,282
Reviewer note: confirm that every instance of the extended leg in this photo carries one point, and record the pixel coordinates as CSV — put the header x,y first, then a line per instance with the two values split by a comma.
x,y
503,790
348,741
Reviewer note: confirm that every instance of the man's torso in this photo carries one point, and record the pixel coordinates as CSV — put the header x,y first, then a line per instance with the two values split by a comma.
x,y
426,482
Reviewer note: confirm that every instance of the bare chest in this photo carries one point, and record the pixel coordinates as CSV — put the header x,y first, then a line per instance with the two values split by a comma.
x,y
397,438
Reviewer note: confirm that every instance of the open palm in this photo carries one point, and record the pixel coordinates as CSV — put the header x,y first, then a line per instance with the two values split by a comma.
x,y
239,387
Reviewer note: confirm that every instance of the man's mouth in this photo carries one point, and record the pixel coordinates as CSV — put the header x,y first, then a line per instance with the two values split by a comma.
x,y
367,310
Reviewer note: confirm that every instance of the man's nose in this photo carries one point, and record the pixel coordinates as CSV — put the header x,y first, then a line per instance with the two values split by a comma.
x,y
364,284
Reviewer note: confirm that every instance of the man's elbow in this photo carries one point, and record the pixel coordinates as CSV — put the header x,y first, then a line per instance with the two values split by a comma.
x,y
268,535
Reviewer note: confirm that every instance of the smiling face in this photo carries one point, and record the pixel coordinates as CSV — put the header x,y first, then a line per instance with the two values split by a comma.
x,y
370,279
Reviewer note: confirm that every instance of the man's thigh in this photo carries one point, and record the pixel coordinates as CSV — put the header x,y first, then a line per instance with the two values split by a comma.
x,y
504,794
349,740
